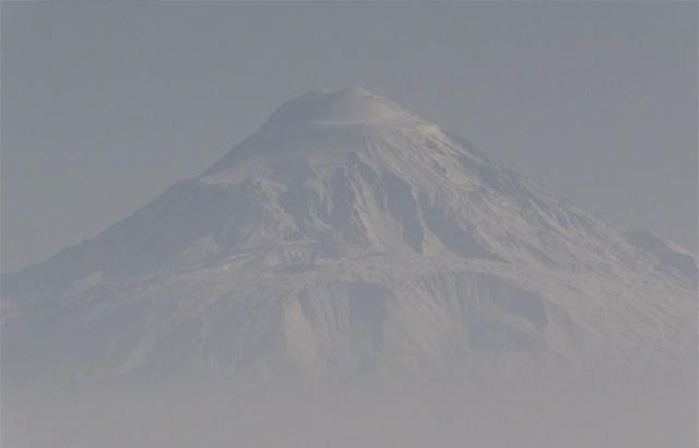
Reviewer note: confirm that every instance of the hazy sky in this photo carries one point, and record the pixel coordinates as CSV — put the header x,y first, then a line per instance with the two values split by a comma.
x,y
106,104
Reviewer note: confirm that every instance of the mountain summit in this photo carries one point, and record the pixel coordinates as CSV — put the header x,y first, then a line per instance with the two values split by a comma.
x,y
305,124
347,237
351,106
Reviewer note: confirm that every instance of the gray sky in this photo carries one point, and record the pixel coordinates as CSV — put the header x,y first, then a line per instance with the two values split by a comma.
x,y
106,104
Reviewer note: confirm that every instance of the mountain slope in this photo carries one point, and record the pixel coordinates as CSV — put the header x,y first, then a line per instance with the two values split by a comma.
x,y
349,237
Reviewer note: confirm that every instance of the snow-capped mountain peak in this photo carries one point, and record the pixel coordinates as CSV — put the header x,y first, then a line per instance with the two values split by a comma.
x,y
351,106
346,236
324,125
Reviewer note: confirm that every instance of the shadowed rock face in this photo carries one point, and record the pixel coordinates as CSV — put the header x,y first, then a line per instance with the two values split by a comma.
x,y
350,238
404,209
664,255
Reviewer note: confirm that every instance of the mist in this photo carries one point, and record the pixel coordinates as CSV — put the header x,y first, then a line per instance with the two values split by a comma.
x,y
263,224
536,412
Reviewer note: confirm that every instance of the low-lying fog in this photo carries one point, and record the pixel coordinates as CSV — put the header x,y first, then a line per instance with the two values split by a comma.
x,y
446,412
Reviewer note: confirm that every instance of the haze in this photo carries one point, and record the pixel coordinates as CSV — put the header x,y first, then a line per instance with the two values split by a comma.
x,y
295,230
105,105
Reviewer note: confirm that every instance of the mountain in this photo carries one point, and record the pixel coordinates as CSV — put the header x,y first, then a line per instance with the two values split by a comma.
x,y
348,238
